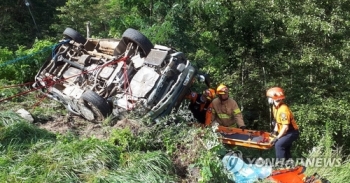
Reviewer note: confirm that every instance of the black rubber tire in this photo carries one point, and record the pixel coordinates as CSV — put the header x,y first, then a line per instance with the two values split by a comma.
x,y
76,36
97,104
141,40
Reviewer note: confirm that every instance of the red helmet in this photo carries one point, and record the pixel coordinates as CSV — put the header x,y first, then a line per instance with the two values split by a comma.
x,y
209,93
276,93
221,90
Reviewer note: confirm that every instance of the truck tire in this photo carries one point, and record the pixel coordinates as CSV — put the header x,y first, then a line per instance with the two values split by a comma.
x,y
76,36
96,104
135,36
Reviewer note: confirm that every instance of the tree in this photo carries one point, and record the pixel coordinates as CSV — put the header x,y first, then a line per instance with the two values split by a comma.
x,y
21,24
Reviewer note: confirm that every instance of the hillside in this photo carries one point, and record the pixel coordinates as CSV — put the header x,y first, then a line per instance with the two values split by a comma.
x,y
182,145
250,46
169,151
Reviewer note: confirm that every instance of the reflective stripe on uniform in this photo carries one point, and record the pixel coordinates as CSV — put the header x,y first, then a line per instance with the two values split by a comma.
x,y
223,116
236,111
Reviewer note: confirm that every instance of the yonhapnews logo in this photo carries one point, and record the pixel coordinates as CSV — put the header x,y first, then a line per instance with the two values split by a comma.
x,y
235,161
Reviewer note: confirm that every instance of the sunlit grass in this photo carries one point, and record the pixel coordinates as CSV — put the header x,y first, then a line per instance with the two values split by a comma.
x,y
147,167
333,172
31,154
9,118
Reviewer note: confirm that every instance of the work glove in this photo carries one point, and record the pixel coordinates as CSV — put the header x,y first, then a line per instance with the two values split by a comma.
x,y
273,123
274,133
214,126
273,142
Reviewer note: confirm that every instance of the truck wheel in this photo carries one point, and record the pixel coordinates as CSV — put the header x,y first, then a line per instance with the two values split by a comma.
x,y
94,107
76,36
135,36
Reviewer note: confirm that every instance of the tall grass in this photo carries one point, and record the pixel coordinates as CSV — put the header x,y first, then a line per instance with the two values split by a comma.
x,y
17,133
30,154
332,172
50,161
146,167
9,117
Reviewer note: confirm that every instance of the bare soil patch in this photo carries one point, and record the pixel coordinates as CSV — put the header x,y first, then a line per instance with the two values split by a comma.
x,y
183,157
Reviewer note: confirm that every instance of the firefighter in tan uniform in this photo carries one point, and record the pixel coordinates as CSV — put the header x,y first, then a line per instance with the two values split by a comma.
x,y
224,110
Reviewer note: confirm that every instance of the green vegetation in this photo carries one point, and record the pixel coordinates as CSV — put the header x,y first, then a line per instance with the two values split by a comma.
x,y
31,154
175,153
302,46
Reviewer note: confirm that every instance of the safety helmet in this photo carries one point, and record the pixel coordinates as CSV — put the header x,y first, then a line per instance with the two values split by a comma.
x,y
209,93
276,93
222,89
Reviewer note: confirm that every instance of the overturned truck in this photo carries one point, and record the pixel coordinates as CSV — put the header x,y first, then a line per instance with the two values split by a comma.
x,y
96,78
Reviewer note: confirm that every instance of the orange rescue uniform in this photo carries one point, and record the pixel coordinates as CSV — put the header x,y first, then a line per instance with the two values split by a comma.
x,y
284,116
197,106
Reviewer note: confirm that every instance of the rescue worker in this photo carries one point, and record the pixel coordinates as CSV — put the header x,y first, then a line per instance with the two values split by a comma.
x,y
199,103
224,110
286,129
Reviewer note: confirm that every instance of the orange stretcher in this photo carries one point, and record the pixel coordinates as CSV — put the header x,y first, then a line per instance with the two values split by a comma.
x,y
288,175
246,138
295,175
